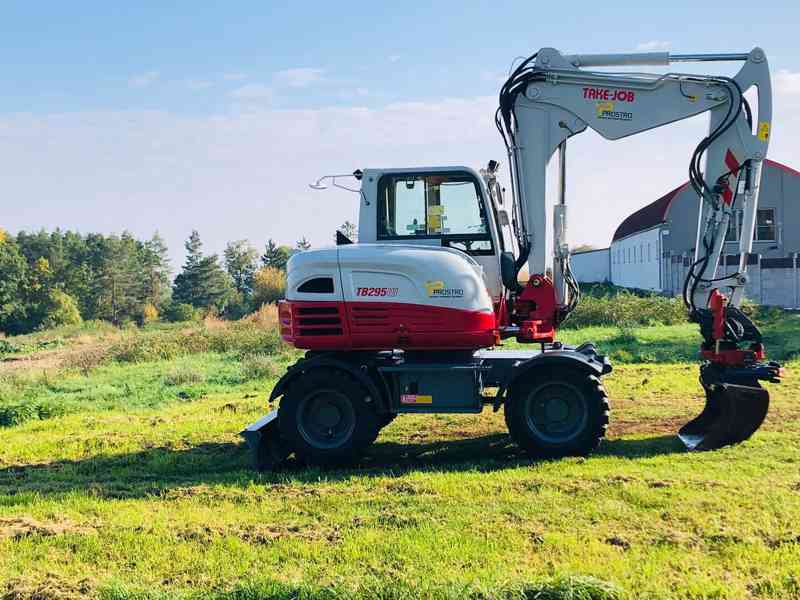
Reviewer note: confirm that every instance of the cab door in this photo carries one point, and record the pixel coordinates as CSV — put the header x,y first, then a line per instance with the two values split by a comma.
x,y
445,208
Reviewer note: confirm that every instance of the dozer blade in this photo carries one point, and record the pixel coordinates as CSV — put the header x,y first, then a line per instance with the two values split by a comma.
x,y
731,415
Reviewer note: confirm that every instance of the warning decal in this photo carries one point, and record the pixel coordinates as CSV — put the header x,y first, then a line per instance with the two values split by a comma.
x,y
416,399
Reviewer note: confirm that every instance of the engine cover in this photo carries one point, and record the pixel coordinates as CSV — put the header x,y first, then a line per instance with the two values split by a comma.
x,y
386,296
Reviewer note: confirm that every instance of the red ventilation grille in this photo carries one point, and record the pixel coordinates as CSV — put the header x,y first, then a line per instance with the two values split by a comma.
x,y
285,319
318,320
366,319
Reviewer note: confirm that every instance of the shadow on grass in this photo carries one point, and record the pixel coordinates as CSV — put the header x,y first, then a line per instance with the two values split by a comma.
x,y
152,471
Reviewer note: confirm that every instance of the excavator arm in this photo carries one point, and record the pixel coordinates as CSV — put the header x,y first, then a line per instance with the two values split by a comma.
x,y
549,98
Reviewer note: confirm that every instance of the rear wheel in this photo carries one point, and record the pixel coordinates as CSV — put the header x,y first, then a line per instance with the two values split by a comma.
x,y
325,418
557,412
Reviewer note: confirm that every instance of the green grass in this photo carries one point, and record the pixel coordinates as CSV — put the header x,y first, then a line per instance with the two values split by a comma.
x,y
137,486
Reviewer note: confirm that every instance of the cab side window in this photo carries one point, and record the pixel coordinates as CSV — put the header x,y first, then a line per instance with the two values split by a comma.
x,y
444,206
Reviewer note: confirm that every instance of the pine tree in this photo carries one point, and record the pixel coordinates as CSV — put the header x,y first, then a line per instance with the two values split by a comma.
x,y
155,271
202,283
120,279
275,256
185,284
240,263
13,271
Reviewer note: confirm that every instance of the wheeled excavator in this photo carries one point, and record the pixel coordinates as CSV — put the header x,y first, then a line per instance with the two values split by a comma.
x,y
410,318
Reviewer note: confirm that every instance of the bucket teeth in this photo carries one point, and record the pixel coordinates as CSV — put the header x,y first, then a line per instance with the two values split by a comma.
x,y
731,415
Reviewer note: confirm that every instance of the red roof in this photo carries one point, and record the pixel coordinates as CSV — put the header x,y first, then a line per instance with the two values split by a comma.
x,y
649,216
656,212
782,167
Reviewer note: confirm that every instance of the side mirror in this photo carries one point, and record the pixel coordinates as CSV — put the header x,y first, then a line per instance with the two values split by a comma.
x,y
508,270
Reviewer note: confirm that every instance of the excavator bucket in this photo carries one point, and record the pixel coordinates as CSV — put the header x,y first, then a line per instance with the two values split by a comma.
x,y
731,415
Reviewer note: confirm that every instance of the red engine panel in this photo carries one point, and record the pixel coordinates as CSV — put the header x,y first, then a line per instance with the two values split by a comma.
x,y
383,326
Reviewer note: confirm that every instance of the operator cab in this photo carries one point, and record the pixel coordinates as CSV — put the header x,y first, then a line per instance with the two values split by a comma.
x,y
437,206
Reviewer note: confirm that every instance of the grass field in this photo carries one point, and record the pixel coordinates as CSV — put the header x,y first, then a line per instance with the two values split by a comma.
x,y
122,476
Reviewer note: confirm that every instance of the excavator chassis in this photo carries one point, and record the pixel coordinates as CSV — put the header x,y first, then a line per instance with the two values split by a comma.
x,y
555,404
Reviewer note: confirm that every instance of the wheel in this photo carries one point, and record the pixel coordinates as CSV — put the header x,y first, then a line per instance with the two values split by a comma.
x,y
325,419
557,412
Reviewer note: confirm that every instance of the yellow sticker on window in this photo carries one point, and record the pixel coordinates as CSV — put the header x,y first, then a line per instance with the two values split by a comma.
x,y
436,209
763,131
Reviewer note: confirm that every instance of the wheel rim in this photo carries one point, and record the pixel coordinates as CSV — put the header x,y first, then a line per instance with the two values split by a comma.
x,y
326,419
556,412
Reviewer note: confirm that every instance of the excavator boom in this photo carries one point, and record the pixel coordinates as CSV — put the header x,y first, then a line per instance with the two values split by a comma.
x,y
551,97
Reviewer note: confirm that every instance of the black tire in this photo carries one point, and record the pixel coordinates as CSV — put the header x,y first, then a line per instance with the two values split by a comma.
x,y
325,419
557,411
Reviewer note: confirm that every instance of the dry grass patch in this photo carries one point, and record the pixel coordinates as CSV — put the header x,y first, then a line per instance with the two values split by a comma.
x,y
16,528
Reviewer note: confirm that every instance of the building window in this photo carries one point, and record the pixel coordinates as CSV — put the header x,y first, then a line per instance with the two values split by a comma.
x,y
649,258
641,253
765,225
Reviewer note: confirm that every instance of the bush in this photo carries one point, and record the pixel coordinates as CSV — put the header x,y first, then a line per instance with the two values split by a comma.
x,y
238,306
62,310
269,286
626,310
260,366
149,313
242,338
13,415
87,359
179,312
7,347
183,375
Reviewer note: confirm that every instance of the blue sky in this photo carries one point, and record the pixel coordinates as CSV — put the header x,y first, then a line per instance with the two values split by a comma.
x,y
215,116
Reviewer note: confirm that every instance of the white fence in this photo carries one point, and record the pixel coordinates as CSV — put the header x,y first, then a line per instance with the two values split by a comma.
x,y
771,281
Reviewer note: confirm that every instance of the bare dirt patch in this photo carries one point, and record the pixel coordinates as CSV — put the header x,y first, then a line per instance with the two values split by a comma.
x,y
261,534
49,588
16,528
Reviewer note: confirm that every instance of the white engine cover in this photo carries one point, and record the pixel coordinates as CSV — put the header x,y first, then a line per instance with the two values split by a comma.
x,y
387,296
393,273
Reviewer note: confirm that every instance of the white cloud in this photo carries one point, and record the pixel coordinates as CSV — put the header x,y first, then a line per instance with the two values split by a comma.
x,y
787,82
143,80
297,78
252,91
234,76
653,46
362,91
245,174
393,58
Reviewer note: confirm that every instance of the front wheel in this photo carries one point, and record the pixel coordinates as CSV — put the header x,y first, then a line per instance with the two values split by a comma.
x,y
325,417
556,412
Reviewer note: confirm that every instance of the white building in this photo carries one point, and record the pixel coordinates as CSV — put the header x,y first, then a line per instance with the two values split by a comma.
x,y
653,247
591,266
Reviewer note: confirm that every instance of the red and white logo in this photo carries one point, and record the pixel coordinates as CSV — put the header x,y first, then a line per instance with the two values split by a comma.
x,y
613,95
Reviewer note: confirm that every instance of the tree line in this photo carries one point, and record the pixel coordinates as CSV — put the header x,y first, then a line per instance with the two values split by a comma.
x,y
57,278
